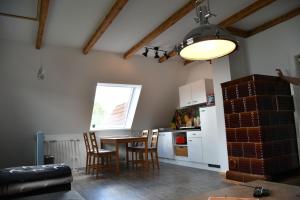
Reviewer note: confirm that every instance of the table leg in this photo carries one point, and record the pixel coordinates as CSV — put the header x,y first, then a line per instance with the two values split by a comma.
x,y
117,159
127,161
146,155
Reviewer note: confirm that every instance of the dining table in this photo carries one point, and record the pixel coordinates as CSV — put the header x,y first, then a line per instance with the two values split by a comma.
x,y
116,141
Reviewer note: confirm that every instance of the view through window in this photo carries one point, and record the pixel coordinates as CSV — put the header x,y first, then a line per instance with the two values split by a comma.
x,y
114,106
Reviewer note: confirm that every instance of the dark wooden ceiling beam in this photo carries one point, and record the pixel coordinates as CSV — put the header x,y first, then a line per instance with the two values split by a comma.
x,y
170,55
277,20
254,7
114,11
238,32
186,62
43,14
161,28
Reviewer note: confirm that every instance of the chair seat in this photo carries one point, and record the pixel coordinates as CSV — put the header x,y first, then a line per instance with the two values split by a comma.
x,y
104,151
141,148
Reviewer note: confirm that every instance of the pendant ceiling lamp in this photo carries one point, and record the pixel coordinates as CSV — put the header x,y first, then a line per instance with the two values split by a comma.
x,y
208,41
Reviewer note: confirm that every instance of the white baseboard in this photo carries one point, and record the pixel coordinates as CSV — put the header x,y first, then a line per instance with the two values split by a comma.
x,y
190,164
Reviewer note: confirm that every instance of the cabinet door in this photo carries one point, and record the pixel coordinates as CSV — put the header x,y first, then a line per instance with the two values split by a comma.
x,y
198,92
208,120
165,145
195,153
185,95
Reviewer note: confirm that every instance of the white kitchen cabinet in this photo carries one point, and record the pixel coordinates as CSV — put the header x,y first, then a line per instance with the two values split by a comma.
x,y
185,95
195,146
195,93
209,132
165,145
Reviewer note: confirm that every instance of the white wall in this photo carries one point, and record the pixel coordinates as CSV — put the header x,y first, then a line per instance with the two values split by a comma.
x,y
221,74
276,48
62,103
239,65
219,71
199,70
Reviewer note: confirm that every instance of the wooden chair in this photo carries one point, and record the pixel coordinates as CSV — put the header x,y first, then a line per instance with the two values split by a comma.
x,y
144,133
102,159
89,153
152,150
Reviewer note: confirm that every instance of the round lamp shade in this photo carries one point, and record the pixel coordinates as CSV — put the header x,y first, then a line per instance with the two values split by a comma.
x,y
207,42
208,49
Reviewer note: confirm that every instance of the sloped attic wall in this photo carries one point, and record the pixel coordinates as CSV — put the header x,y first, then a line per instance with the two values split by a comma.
x,y
62,103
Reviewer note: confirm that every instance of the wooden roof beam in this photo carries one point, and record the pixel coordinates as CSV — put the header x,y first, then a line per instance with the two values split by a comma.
x,y
170,55
161,28
43,14
254,7
238,32
293,13
114,11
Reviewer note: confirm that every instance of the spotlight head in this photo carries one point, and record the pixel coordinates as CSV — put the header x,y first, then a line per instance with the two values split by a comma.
x,y
156,55
146,52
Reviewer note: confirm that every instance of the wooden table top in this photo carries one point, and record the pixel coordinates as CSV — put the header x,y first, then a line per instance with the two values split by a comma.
x,y
125,139
278,191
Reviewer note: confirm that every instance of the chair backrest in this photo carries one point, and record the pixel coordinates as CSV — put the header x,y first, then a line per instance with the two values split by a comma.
x,y
154,138
144,133
94,144
86,142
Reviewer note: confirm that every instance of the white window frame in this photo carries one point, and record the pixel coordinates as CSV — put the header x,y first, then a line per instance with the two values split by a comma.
x,y
130,113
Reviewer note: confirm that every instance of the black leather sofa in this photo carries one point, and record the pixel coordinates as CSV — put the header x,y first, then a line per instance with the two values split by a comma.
x,y
28,180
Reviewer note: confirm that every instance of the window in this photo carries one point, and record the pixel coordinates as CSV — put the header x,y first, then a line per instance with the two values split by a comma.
x,y
114,106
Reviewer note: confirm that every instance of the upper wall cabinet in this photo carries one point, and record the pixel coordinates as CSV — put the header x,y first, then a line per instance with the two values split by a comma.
x,y
195,93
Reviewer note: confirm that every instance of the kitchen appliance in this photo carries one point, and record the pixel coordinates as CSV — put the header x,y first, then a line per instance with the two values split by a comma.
x,y
209,131
180,139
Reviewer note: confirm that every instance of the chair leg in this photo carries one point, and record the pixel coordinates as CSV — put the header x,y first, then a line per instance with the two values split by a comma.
x,y
110,165
90,163
94,164
142,159
98,166
132,159
157,161
136,159
152,160
87,163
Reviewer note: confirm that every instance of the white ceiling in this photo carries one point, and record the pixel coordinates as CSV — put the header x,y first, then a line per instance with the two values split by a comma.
x,y
72,22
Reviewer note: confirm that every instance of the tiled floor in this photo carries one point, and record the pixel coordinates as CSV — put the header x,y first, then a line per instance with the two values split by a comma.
x,y
170,182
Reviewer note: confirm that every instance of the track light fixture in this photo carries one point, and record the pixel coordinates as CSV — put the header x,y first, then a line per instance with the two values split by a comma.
x,y
156,51
156,55
146,52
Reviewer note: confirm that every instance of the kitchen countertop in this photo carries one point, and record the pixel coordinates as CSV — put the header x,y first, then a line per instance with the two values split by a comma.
x,y
182,130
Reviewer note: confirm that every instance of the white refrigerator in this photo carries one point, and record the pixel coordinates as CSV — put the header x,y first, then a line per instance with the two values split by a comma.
x,y
208,123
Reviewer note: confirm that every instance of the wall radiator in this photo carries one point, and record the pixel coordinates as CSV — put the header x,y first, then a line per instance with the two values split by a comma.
x,y
70,152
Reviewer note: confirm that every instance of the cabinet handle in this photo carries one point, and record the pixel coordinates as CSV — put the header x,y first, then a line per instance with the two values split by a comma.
x,y
190,140
194,134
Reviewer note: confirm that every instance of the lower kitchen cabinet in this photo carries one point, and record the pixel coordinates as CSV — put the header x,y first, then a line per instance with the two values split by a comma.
x,y
165,145
195,148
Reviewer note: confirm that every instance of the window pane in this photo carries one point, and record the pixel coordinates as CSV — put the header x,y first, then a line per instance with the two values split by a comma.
x,y
112,106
